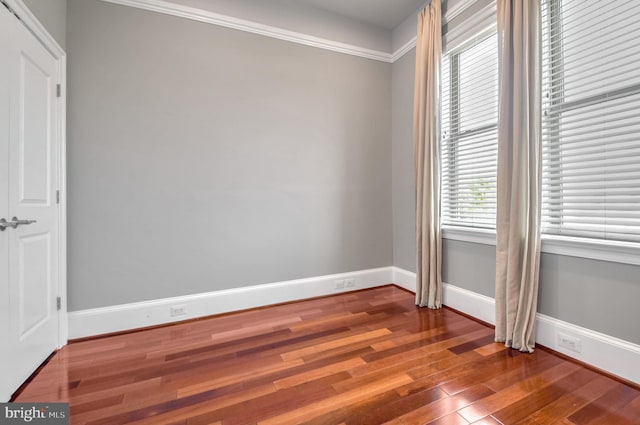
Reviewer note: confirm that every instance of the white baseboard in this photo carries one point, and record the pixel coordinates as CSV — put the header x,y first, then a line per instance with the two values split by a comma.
x,y
404,279
605,352
476,305
124,317
602,351
468,302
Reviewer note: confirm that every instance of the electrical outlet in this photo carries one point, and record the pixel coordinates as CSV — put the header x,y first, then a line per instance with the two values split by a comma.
x,y
569,341
178,310
350,283
340,284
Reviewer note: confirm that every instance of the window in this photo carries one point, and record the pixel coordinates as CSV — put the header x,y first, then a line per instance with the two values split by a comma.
x,y
469,133
591,119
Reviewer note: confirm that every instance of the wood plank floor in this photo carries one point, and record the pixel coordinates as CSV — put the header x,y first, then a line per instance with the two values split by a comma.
x,y
368,357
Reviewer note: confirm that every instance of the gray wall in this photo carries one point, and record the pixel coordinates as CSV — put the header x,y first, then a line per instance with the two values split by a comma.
x,y
53,15
404,32
404,227
470,266
597,295
202,158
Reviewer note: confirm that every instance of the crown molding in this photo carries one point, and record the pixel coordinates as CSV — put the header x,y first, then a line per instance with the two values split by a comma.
x,y
458,9
195,14
404,49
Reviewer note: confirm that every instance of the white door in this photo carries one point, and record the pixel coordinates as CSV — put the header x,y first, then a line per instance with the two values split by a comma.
x,y
4,202
31,236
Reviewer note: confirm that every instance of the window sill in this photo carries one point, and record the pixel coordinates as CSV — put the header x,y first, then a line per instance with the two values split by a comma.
x,y
469,234
594,249
617,252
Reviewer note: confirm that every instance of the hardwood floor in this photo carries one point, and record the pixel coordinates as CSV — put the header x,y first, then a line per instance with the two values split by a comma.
x,y
366,357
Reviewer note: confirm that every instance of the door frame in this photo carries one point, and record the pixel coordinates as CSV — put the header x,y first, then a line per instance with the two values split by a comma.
x,y
39,31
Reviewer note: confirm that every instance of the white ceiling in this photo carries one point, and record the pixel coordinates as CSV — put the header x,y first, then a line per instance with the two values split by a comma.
x,y
382,13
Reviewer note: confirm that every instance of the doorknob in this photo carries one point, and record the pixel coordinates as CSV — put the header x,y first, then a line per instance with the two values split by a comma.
x,y
13,223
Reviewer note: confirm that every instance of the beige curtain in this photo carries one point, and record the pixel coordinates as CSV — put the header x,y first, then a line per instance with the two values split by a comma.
x,y
426,123
519,173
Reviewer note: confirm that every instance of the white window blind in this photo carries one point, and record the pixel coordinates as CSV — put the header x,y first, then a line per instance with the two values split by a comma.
x,y
469,133
591,119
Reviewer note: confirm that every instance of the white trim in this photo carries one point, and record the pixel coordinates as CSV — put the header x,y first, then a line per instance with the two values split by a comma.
x,y
36,28
63,320
404,279
39,31
404,49
476,305
468,302
478,23
124,317
597,249
605,352
460,7
602,351
469,234
410,44
200,15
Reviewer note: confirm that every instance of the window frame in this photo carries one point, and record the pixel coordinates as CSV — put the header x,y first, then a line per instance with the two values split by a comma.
x,y
577,246
477,35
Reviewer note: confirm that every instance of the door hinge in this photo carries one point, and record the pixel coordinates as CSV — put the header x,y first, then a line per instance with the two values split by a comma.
x,y
59,303
58,90
57,196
